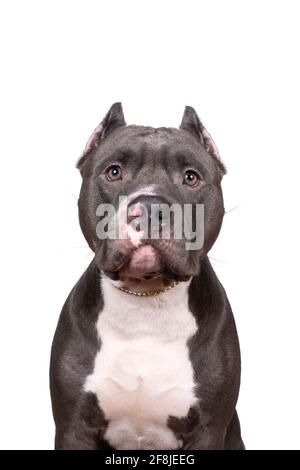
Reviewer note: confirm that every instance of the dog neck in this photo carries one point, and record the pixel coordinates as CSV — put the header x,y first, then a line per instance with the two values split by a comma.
x,y
143,287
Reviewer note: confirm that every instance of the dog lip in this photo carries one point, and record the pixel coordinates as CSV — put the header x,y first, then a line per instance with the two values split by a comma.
x,y
165,266
124,264
144,259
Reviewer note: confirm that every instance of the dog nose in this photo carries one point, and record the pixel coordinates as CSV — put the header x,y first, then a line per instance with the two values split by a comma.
x,y
146,209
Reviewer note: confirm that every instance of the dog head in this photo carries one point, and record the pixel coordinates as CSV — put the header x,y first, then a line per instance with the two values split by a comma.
x,y
138,170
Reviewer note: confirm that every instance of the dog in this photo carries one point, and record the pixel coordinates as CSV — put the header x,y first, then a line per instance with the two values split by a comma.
x,y
146,352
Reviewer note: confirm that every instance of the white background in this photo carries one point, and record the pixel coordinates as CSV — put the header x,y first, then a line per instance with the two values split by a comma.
x,y
63,63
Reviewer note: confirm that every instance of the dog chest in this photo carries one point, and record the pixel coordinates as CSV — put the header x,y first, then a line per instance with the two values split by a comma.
x,y
142,372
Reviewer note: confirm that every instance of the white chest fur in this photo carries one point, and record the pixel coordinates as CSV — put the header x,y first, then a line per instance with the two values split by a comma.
x,y
142,373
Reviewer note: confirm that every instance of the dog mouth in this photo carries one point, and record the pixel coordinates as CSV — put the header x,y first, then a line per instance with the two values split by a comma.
x,y
140,263
144,262
151,260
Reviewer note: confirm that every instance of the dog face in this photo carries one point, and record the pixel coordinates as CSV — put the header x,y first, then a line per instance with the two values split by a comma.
x,y
150,167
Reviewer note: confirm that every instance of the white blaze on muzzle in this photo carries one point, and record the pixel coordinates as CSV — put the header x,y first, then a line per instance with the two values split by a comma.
x,y
128,230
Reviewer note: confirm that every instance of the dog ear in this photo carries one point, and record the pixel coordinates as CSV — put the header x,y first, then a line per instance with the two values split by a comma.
x,y
192,123
113,119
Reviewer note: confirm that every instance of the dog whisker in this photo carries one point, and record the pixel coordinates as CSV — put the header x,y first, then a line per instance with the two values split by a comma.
x,y
233,209
216,260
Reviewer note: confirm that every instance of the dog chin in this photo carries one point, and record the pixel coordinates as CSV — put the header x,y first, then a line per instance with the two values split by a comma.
x,y
143,263
146,262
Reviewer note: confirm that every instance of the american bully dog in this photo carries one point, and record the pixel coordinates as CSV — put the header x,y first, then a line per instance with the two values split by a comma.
x,y
146,353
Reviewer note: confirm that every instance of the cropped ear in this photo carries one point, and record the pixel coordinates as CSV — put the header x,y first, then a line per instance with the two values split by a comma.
x,y
191,123
113,119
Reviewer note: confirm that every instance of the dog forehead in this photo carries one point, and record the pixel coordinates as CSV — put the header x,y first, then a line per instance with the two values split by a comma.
x,y
134,138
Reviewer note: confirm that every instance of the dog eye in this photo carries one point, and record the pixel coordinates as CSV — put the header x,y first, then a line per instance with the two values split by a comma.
x,y
191,178
114,173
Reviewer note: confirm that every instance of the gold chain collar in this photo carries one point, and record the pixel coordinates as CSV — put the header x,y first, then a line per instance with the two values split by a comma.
x,y
150,293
